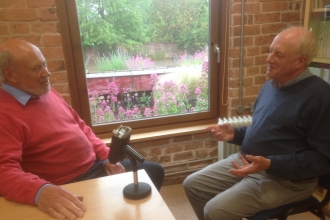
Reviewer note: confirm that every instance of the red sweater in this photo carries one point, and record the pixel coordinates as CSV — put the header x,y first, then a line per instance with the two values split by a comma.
x,y
42,142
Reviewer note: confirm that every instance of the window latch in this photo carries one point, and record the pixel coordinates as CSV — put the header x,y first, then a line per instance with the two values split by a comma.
x,y
217,51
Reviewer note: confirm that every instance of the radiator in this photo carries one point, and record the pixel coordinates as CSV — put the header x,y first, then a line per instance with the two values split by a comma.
x,y
225,149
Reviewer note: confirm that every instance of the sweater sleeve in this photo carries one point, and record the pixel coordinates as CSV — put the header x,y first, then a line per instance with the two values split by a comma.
x,y
15,184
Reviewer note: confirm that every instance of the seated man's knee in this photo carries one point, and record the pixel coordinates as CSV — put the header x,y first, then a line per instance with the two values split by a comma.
x,y
212,211
189,181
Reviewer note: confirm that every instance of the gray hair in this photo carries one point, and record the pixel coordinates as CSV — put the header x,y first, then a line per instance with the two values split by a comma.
x,y
5,59
307,44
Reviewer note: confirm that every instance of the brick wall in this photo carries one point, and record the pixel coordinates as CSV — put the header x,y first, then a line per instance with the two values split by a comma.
x,y
36,21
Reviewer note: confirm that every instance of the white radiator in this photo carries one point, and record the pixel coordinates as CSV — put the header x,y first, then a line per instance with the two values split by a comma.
x,y
225,149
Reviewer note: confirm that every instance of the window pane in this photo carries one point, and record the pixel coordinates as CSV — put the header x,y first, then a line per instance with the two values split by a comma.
x,y
145,58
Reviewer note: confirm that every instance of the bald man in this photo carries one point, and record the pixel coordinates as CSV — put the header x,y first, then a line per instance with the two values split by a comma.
x,y
284,150
44,143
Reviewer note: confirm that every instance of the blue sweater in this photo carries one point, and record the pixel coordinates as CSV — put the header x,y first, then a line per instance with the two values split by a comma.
x,y
291,126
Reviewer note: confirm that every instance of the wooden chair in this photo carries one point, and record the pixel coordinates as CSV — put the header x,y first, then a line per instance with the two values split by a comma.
x,y
308,205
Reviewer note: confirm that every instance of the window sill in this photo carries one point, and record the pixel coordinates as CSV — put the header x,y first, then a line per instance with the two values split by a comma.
x,y
173,130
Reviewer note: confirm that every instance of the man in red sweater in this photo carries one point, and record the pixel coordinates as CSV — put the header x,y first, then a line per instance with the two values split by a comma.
x,y
44,143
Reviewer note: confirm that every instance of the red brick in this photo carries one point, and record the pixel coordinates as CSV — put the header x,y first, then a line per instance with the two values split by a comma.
x,y
183,156
193,145
62,88
248,81
290,17
253,51
52,40
19,28
260,80
260,60
211,143
44,27
18,14
160,142
273,28
40,3
264,39
55,65
251,90
164,159
182,138
47,14
233,92
59,77
201,153
213,153
252,71
156,151
12,3
52,52
34,39
174,149
274,6
267,18
249,8
201,135
4,28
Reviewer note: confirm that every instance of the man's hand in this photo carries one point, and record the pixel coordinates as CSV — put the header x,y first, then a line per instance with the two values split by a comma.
x,y
257,164
224,132
112,169
60,203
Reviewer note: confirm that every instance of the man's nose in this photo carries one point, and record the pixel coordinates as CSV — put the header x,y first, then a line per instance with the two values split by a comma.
x,y
45,71
269,58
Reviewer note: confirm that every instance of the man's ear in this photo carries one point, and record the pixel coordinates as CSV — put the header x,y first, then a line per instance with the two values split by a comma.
x,y
9,75
302,62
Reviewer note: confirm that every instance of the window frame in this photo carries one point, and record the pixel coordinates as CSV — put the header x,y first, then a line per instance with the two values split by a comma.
x,y
73,55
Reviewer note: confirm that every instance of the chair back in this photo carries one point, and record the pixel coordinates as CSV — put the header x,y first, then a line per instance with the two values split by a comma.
x,y
324,181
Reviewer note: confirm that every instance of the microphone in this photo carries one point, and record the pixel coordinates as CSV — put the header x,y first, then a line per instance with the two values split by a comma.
x,y
119,149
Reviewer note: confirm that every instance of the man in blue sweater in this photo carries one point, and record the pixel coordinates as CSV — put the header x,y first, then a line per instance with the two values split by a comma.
x,y
284,150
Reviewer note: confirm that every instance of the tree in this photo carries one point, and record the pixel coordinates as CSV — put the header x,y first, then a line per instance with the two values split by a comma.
x,y
184,22
107,25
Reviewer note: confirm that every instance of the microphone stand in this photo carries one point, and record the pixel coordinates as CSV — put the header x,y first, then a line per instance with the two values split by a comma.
x,y
136,190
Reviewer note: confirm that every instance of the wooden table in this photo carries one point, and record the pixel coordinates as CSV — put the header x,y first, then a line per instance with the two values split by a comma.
x,y
104,200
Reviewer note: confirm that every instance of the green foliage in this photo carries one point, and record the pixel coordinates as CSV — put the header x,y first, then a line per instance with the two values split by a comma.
x,y
115,61
184,22
108,24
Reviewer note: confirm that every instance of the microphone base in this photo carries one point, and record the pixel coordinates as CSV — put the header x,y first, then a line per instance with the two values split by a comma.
x,y
135,192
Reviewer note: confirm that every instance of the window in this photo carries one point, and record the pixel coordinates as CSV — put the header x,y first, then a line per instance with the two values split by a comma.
x,y
120,66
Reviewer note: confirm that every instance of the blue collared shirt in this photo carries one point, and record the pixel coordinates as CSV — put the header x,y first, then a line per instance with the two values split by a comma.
x,y
19,95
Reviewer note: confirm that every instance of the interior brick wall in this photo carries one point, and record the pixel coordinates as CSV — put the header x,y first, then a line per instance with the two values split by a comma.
x,y
36,21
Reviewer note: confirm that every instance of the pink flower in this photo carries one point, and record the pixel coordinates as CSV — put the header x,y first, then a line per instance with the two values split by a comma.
x,y
103,104
121,110
198,91
113,89
183,89
154,78
147,112
113,99
100,112
129,113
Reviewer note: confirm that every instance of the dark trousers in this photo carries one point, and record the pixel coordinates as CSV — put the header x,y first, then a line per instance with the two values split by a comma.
x,y
154,171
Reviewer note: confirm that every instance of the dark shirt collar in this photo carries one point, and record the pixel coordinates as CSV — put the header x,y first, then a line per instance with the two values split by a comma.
x,y
302,76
